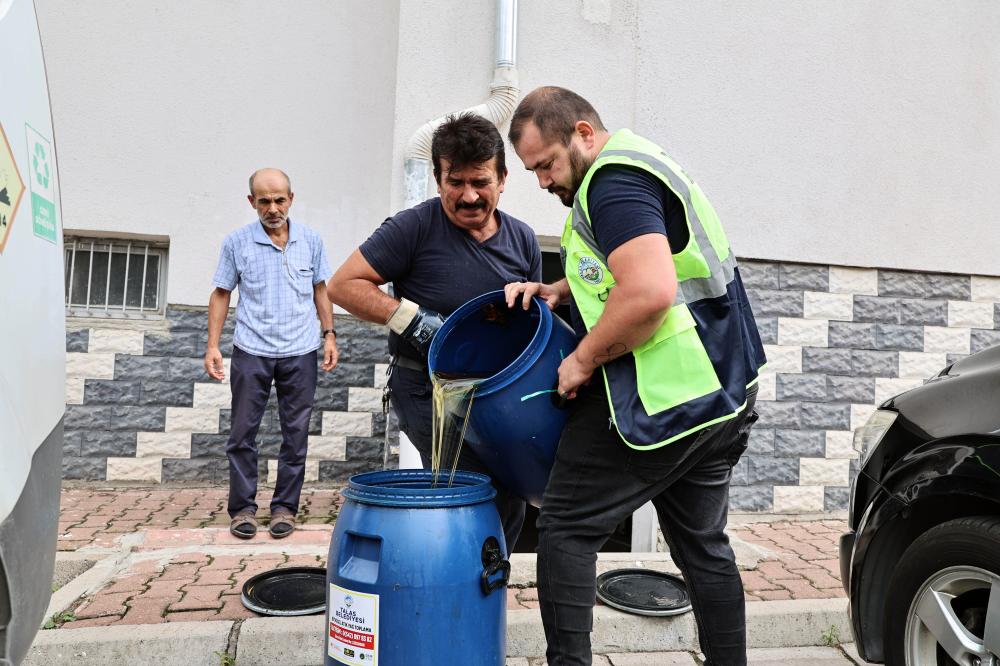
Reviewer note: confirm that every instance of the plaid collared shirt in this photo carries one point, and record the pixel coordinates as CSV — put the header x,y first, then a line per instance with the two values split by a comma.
x,y
275,315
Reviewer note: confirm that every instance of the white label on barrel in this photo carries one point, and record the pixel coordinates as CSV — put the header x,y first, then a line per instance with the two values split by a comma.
x,y
353,627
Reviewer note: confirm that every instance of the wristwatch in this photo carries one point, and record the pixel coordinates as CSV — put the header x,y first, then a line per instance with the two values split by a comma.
x,y
328,330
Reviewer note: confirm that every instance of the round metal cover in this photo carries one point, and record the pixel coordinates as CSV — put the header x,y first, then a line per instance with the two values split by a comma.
x,y
644,592
289,591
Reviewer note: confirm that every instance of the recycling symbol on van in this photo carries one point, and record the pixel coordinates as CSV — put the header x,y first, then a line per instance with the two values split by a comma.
x,y
40,165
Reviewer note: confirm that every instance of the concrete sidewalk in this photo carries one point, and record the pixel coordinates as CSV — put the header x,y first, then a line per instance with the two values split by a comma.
x,y
138,560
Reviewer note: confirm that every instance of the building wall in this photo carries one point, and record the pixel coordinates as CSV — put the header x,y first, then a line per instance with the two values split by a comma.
x,y
839,342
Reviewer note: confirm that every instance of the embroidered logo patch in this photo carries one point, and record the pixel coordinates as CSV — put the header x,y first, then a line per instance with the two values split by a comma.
x,y
590,270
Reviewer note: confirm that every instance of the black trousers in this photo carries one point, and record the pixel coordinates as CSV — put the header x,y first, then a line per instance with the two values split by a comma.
x,y
250,378
597,481
411,398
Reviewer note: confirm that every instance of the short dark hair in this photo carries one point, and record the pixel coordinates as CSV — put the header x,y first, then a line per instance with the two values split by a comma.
x,y
555,112
467,139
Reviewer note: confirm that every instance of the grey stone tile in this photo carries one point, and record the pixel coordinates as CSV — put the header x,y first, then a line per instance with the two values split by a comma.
x,y
205,445
761,441
860,390
949,287
144,419
905,338
331,399
167,394
84,469
803,276
750,498
71,442
759,274
825,416
852,335
110,392
180,369
923,312
771,303
769,470
778,414
836,498
876,309
352,374
810,387
924,285
191,469
225,419
996,315
873,364
141,368
983,339
365,448
826,361
739,477
798,443
105,443
362,349
175,343
768,329
87,417
77,340
316,422
269,444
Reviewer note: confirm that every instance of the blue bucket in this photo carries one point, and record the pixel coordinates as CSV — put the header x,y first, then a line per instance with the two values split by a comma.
x,y
416,573
515,425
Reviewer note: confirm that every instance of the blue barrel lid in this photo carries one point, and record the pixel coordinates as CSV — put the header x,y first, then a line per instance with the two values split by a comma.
x,y
412,488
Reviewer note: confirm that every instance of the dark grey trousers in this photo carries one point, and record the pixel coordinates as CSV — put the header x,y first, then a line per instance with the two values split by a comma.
x,y
598,481
250,378
411,398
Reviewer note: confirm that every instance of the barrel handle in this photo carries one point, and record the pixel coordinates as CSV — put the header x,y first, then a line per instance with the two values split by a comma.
x,y
493,563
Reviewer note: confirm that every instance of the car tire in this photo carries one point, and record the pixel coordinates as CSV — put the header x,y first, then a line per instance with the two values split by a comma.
x,y
944,576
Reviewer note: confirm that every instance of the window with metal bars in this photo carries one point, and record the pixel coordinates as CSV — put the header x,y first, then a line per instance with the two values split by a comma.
x,y
115,277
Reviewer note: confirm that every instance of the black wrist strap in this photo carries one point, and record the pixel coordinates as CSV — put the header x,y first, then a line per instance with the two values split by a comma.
x,y
328,330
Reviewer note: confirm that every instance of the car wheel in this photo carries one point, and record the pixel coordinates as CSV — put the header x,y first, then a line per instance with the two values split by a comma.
x,y
943,605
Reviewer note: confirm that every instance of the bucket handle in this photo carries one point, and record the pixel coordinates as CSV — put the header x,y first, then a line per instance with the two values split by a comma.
x,y
493,563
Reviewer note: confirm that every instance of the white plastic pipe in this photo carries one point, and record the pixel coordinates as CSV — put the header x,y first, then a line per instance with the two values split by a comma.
x,y
497,108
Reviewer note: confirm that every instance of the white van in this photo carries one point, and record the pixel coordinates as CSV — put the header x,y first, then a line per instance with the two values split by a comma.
x,y
32,333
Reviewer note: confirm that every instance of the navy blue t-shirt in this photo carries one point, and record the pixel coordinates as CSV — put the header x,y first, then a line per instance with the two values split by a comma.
x,y
625,202
440,266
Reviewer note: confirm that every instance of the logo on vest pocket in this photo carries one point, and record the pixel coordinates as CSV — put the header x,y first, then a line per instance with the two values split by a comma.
x,y
590,270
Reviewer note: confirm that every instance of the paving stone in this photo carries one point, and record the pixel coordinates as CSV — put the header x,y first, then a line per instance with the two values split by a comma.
x,y
801,387
110,392
852,335
865,363
77,340
850,389
876,309
750,498
923,312
104,443
759,274
891,336
827,361
768,329
981,339
772,303
767,470
836,498
167,394
795,443
801,276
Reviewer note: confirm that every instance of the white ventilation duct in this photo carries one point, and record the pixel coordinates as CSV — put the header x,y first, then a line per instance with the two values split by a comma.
x,y
497,108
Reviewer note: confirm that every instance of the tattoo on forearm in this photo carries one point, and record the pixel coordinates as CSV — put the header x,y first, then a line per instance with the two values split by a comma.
x,y
612,352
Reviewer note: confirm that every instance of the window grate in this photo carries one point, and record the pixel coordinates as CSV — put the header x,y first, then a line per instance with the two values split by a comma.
x,y
114,277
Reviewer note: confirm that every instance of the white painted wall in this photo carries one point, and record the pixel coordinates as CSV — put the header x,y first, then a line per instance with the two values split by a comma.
x,y
848,133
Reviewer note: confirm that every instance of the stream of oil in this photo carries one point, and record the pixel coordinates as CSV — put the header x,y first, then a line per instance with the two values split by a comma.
x,y
452,397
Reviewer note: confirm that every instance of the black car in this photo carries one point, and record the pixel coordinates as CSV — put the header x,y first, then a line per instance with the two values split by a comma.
x,y
921,562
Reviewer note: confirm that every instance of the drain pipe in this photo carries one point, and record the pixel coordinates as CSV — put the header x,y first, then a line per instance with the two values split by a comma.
x,y
497,108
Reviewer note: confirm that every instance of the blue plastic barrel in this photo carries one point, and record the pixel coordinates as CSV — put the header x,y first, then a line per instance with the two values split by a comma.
x,y
416,573
514,426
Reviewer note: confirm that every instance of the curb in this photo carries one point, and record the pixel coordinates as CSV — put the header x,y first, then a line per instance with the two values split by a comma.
x,y
298,641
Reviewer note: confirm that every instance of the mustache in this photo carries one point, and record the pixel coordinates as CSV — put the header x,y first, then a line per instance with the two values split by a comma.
x,y
477,205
